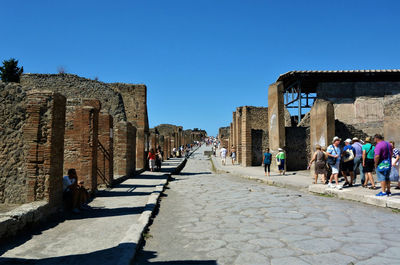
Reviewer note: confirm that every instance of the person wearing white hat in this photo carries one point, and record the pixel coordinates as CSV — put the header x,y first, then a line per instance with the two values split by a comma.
x,y
348,155
280,160
334,155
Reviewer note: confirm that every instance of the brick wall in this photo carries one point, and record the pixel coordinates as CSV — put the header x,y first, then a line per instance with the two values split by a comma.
x,y
124,149
238,117
81,140
105,150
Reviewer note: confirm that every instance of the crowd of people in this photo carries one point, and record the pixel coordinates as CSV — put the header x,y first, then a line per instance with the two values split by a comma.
x,y
356,156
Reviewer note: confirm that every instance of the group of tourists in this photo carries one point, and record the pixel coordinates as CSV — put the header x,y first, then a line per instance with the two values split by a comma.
x,y
155,159
356,156
280,161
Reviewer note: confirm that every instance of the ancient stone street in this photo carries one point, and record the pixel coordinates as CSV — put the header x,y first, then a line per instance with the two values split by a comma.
x,y
208,218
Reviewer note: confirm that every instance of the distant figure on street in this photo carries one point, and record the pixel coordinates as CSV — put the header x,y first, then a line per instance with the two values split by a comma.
x,y
348,155
158,159
383,163
358,160
267,158
280,161
174,152
152,160
334,155
368,151
320,164
74,192
233,155
223,155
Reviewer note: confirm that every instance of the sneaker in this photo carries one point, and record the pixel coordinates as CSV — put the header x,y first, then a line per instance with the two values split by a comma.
x,y
381,194
388,193
351,185
339,187
346,184
330,185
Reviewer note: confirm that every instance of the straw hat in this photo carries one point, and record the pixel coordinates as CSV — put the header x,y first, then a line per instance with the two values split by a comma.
x,y
368,139
336,139
355,139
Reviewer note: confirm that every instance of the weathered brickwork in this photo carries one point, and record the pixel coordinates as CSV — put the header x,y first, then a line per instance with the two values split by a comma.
x,y
238,133
135,103
105,150
81,140
32,134
124,149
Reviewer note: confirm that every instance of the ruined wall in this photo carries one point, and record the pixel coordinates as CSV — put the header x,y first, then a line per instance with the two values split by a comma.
x,y
297,156
254,135
135,102
32,141
81,139
13,148
73,86
392,119
105,150
359,104
124,149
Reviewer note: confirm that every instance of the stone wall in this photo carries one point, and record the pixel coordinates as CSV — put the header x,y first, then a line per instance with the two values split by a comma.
x,y
73,86
135,103
124,150
13,148
359,104
31,149
392,119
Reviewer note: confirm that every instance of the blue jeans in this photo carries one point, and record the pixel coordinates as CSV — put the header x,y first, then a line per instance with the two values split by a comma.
x,y
382,176
358,165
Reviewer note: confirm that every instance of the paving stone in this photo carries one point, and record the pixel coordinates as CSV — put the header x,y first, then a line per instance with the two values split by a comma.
x,y
266,242
247,258
277,252
328,259
361,251
314,246
288,261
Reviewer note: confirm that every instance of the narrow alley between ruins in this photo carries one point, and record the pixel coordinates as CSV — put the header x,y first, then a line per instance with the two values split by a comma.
x,y
209,218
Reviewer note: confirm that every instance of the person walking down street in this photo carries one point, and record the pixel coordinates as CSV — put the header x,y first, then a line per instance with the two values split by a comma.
x,y
358,160
222,153
348,155
368,152
158,159
334,155
395,163
233,155
383,164
320,164
280,161
152,159
267,157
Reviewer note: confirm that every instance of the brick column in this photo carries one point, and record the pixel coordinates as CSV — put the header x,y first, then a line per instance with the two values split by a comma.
x,y
44,134
81,140
239,134
246,138
124,149
105,151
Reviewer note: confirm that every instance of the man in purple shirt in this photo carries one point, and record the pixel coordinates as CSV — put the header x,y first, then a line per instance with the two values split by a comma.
x,y
358,160
383,150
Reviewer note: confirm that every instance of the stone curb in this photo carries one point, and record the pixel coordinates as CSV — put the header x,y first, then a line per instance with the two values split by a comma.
x,y
130,243
347,194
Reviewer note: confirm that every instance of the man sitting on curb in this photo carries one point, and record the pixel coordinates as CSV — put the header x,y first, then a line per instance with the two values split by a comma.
x,y
74,192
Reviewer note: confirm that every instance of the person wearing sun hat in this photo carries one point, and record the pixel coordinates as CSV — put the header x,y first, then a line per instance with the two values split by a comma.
x,y
334,155
280,160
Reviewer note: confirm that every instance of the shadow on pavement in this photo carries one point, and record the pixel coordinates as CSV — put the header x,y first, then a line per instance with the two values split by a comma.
x,y
106,256
194,173
144,257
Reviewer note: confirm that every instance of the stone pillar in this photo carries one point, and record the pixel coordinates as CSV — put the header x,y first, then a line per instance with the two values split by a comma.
x,y
140,148
124,150
44,135
81,140
246,138
105,150
322,123
276,120
165,147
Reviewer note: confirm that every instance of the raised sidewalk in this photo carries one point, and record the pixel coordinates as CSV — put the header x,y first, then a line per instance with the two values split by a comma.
x,y
109,233
302,180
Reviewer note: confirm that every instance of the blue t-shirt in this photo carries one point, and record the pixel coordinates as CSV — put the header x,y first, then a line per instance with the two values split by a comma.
x,y
334,151
267,158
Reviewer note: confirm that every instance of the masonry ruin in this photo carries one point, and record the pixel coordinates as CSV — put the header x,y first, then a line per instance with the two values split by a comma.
x,y
310,107
53,122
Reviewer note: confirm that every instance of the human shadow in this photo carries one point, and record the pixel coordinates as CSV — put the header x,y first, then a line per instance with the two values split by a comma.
x,y
194,173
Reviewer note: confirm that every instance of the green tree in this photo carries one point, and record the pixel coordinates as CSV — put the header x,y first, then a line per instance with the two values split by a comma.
x,y
10,72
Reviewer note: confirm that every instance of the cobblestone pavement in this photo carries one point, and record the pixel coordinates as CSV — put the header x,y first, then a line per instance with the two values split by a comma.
x,y
208,218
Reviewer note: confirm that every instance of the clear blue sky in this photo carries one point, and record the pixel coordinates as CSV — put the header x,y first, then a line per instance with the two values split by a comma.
x,y
200,59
